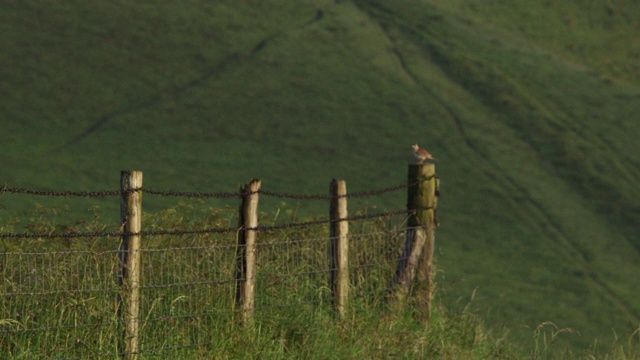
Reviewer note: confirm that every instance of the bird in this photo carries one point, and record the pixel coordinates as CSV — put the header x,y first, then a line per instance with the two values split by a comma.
x,y
421,154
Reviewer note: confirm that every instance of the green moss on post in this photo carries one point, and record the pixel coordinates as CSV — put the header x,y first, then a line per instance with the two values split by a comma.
x,y
422,196
426,218
417,257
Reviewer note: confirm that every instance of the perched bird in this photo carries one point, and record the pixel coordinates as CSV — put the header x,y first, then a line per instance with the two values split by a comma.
x,y
421,154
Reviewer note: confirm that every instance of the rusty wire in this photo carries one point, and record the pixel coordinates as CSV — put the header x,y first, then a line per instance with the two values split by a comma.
x,y
220,195
76,235
104,193
99,194
371,193
284,195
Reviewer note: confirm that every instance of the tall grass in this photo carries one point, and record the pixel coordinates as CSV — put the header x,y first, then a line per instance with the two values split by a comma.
x,y
60,298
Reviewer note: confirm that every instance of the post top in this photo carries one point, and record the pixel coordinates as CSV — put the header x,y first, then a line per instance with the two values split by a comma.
x,y
422,170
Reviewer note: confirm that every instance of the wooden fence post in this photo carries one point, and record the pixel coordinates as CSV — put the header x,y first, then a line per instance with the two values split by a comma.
x,y
417,256
425,286
339,245
129,304
246,251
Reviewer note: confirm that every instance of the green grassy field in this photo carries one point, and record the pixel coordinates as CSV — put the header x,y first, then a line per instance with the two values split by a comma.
x,y
530,108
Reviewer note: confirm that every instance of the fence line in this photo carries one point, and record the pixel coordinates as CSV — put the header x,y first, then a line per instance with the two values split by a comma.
x,y
105,193
62,302
49,235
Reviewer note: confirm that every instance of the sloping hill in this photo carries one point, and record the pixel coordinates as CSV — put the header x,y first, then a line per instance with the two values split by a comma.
x,y
549,146
530,108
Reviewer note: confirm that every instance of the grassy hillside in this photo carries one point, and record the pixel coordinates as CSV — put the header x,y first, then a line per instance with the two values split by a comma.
x,y
530,109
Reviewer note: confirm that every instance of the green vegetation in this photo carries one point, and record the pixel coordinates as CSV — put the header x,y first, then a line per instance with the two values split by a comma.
x,y
530,108
187,296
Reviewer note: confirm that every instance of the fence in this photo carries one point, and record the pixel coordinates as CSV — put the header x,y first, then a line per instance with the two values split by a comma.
x,y
159,292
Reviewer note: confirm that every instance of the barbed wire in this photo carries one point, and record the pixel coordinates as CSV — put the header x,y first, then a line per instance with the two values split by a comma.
x,y
385,190
358,194
105,193
185,194
99,194
283,195
51,235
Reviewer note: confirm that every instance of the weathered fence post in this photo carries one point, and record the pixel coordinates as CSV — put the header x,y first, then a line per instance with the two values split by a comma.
x,y
129,304
425,286
339,245
417,256
246,251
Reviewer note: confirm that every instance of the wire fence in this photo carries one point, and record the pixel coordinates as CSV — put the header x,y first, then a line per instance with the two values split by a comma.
x,y
62,298
183,194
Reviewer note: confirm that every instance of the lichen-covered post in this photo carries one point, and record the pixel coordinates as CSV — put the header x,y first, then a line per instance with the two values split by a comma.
x,y
417,257
424,287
